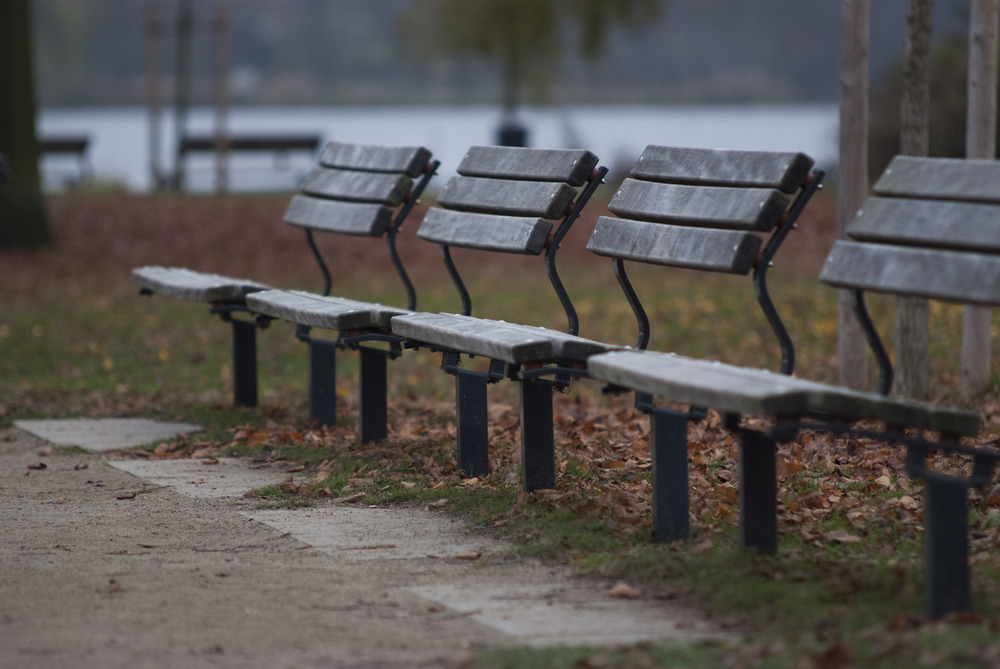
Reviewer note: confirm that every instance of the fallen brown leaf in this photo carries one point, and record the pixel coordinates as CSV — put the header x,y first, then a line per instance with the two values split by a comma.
x,y
623,590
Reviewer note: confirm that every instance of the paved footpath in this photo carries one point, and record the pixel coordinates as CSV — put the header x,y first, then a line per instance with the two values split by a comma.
x,y
134,564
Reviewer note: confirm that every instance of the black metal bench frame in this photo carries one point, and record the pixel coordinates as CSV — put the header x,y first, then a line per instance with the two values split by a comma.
x,y
925,211
471,386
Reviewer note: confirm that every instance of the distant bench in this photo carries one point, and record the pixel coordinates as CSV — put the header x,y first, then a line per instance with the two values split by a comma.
x,y
932,230
280,145
355,189
75,146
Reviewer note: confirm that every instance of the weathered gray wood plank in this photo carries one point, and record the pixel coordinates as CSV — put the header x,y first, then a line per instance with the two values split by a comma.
x,y
497,196
941,178
928,223
759,392
507,234
388,189
569,165
713,250
187,284
510,342
969,278
722,167
346,218
332,313
376,158
708,206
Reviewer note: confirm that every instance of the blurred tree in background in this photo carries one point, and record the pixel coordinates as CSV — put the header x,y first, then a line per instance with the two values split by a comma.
x,y
948,82
23,221
527,38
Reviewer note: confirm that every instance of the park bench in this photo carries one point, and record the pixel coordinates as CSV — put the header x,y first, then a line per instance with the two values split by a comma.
x,y
712,188
930,230
72,146
355,189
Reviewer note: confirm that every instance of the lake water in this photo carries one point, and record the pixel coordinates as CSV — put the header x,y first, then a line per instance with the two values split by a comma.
x,y
119,150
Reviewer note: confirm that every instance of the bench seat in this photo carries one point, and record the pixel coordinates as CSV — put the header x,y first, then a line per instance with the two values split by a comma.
x,y
740,390
186,284
498,340
322,311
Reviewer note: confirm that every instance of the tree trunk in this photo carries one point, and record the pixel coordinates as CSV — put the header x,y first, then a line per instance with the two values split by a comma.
x,y
912,371
854,40
23,222
980,142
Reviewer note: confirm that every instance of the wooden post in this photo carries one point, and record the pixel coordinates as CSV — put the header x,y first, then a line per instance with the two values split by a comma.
x,y
220,87
182,81
154,101
912,367
980,142
854,41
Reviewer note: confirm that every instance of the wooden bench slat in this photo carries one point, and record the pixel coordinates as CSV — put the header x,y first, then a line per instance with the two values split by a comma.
x,y
333,313
187,284
507,234
411,161
498,340
941,179
713,250
723,167
572,166
388,189
346,218
759,392
518,198
928,223
737,208
968,278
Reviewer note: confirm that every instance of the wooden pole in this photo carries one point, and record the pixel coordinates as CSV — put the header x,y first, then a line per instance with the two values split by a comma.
x,y
182,84
912,367
220,56
980,142
154,101
854,42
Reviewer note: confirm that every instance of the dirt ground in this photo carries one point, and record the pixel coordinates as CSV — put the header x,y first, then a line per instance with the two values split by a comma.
x,y
163,579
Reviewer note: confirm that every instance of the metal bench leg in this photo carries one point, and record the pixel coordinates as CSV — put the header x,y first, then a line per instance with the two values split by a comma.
x,y
758,492
946,546
323,382
538,460
671,502
374,410
244,363
472,415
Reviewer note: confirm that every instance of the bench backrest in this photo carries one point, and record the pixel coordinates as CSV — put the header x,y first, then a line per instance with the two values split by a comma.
x,y
706,209
513,200
360,189
931,230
